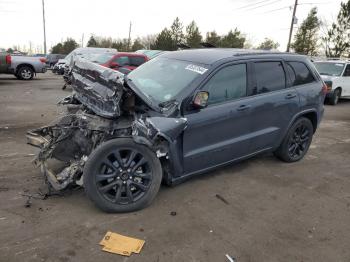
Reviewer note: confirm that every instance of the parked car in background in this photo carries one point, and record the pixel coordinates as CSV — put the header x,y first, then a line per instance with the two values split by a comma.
x,y
58,68
88,53
150,53
178,115
5,62
336,75
52,59
81,52
122,61
23,67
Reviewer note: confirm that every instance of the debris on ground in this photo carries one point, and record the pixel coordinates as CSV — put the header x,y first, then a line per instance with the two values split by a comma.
x,y
28,203
121,245
231,259
173,213
222,199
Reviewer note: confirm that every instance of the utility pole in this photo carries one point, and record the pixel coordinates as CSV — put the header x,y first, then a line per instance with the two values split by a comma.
x,y
44,26
82,40
129,39
291,25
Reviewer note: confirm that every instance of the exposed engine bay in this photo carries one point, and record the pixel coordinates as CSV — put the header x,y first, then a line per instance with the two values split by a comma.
x,y
102,107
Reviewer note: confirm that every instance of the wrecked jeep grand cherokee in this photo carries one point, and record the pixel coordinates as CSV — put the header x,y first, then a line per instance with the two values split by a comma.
x,y
180,114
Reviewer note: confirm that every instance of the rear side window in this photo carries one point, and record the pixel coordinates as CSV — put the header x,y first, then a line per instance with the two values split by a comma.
x,y
136,60
299,73
122,60
228,83
270,77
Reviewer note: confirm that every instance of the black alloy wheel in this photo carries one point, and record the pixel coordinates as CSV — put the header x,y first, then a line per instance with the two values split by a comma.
x,y
297,141
122,176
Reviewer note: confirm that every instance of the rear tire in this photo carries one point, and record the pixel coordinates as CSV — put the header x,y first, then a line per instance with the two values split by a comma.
x,y
25,73
122,176
296,142
333,100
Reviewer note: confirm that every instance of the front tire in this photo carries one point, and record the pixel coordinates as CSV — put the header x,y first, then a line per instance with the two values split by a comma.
x,y
296,142
122,176
333,100
25,73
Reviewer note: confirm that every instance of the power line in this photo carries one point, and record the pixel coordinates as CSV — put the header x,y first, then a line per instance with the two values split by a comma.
x,y
252,8
252,4
274,10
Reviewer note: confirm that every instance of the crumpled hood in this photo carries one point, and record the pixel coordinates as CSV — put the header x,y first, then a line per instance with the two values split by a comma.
x,y
97,87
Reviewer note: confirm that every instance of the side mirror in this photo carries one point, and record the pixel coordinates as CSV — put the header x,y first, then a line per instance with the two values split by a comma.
x,y
200,100
113,65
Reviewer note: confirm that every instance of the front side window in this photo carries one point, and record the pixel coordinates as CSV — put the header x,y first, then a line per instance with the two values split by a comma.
x,y
299,73
347,71
270,76
228,83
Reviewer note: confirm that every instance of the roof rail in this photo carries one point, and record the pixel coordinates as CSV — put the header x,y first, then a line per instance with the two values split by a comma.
x,y
262,53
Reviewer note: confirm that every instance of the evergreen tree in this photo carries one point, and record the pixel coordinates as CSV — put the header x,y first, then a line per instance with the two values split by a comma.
x,y
137,45
337,39
306,38
164,41
176,31
92,42
193,36
268,44
234,39
213,38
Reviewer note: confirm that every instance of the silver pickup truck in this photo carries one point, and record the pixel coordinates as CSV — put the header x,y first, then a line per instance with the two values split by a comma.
x,y
25,67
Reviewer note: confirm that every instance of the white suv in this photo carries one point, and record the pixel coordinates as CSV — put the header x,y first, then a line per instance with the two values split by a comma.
x,y
336,75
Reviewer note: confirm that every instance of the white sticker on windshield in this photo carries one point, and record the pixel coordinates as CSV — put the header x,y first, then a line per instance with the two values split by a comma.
x,y
339,64
197,69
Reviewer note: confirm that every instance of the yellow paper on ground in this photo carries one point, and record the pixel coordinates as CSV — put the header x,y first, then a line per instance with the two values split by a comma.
x,y
120,244
115,251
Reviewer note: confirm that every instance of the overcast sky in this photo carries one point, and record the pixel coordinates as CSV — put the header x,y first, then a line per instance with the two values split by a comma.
x,y
21,20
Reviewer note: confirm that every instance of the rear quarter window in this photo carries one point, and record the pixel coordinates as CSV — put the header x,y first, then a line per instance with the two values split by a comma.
x,y
299,73
136,60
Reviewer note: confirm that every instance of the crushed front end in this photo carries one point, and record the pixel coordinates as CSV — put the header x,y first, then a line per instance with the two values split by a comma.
x,y
102,107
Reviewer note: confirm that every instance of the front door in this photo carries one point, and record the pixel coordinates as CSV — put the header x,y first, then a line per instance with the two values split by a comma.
x,y
219,133
346,81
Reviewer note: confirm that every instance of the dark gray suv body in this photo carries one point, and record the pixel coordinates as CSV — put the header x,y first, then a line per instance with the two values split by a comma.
x,y
181,114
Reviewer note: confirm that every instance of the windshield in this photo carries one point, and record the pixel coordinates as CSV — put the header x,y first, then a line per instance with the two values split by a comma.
x,y
100,58
330,69
163,78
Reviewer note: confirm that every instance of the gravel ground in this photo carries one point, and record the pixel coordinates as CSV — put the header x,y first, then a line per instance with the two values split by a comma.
x,y
274,211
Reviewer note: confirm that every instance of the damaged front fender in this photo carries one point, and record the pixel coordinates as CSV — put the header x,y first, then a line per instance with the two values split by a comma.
x,y
147,130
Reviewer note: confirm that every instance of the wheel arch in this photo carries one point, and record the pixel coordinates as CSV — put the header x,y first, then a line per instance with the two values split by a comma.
x,y
310,114
25,64
340,88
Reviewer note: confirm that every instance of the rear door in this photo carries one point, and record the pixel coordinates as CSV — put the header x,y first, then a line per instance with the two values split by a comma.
x,y
274,104
219,133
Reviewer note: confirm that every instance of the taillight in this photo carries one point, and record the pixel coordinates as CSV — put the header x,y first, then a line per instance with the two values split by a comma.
x,y
8,59
42,60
